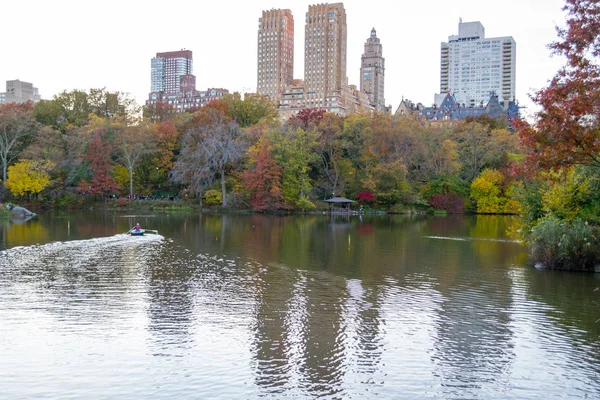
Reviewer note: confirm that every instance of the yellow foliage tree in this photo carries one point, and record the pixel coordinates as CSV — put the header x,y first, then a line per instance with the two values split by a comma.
x,y
28,176
491,195
485,189
121,176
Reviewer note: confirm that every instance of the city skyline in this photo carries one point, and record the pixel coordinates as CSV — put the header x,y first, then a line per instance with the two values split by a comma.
x,y
64,50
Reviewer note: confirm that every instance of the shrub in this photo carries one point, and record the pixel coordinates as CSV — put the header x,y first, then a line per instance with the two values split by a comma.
x,y
365,197
573,245
305,204
212,197
444,185
451,202
70,200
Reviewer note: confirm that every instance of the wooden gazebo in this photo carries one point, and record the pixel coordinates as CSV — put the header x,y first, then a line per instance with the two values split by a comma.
x,y
342,204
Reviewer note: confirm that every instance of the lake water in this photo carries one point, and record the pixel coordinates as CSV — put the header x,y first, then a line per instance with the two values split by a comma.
x,y
245,307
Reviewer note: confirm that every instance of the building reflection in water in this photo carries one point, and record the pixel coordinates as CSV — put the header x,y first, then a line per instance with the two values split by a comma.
x,y
170,309
314,329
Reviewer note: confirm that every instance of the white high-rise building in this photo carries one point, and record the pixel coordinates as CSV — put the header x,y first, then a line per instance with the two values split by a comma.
x,y
472,66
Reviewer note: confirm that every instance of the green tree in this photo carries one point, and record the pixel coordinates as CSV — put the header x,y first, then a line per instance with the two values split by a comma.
x,y
251,110
356,143
294,152
73,109
329,129
573,193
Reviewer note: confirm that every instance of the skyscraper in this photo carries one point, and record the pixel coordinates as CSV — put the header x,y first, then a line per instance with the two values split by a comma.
x,y
275,68
472,66
372,72
173,84
168,69
325,56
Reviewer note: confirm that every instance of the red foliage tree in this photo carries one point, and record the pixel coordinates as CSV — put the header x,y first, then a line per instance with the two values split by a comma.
x,y
567,129
451,202
365,197
101,165
264,182
307,118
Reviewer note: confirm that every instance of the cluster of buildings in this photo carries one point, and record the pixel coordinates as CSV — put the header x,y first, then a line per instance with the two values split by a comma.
x,y
477,77
325,84
19,92
477,74
172,82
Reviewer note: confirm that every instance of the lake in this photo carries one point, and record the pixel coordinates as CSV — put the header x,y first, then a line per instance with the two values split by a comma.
x,y
251,306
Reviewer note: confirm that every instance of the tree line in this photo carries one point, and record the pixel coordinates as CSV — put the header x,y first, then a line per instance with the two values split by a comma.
x,y
236,153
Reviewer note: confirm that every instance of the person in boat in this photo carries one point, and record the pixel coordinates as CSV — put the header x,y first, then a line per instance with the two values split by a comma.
x,y
137,227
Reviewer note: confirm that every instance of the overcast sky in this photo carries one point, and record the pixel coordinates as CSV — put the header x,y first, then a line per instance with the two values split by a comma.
x,y
63,45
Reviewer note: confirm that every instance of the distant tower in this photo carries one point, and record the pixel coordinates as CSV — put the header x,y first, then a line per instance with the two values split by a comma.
x,y
325,56
472,66
275,67
170,69
372,72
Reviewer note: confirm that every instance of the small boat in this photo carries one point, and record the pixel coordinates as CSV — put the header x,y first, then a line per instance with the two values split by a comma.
x,y
137,232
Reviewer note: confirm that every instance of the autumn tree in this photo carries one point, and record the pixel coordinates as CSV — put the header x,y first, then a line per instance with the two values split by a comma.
x,y
100,164
355,140
250,110
106,104
73,109
388,182
567,128
294,152
210,145
331,155
159,112
132,144
401,139
65,110
17,128
307,119
475,147
166,138
263,180
28,177
493,194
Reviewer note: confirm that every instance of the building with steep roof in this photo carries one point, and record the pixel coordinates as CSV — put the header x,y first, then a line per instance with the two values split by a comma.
x,y
448,109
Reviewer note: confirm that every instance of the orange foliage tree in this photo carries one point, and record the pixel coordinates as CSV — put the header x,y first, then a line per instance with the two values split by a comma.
x,y
264,181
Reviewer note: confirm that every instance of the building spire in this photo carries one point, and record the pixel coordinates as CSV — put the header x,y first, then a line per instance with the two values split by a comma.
x,y
373,33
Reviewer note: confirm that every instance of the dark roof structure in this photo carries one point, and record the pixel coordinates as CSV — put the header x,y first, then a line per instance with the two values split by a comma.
x,y
449,109
339,200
